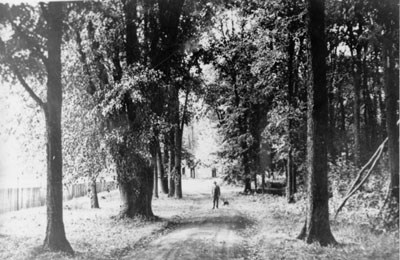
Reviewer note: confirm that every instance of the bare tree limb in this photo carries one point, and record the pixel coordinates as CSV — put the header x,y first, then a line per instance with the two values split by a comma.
x,y
28,88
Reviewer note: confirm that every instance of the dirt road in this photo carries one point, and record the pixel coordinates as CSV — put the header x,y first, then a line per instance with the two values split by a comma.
x,y
211,235
204,234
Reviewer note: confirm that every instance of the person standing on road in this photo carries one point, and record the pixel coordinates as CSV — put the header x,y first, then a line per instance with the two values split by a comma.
x,y
215,193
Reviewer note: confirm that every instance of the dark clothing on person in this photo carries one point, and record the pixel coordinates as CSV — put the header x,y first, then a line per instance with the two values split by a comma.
x,y
216,193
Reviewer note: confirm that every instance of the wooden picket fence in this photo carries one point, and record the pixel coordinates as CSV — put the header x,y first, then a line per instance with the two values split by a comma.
x,y
12,199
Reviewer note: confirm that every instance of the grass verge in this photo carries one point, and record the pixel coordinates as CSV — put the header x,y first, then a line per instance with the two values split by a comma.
x,y
277,224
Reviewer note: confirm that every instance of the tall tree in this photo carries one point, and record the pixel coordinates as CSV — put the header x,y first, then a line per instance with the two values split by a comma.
x,y
294,25
28,34
389,18
118,84
317,227
136,175
55,233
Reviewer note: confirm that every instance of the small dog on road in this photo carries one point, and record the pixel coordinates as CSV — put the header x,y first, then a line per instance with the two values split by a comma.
x,y
226,203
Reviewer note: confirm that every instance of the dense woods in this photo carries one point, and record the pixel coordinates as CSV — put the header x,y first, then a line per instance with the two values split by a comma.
x,y
304,93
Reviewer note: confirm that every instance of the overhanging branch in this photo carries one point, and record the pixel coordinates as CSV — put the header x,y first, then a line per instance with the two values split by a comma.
x,y
25,85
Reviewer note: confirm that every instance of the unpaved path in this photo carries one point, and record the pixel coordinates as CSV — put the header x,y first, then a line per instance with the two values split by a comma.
x,y
211,235
203,234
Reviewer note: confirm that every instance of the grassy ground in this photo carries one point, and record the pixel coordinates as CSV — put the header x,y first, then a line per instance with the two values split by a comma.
x,y
278,224
94,234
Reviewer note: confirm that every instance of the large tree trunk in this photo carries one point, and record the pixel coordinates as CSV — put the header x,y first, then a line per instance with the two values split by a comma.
x,y
55,239
391,98
94,200
135,179
317,226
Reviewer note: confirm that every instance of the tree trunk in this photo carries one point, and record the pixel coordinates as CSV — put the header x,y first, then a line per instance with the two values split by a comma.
x,y
290,173
161,170
342,121
178,162
367,144
132,52
247,185
317,226
155,172
356,112
135,179
382,109
178,149
290,183
254,151
255,180
94,200
262,182
332,125
171,173
391,99
55,239
246,168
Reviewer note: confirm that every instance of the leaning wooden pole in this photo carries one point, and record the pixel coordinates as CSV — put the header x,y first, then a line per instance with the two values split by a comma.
x,y
357,185
359,175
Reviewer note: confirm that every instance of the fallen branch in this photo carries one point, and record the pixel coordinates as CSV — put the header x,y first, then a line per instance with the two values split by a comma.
x,y
356,184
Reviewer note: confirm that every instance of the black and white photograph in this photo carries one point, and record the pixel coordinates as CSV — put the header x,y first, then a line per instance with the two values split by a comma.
x,y
199,129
